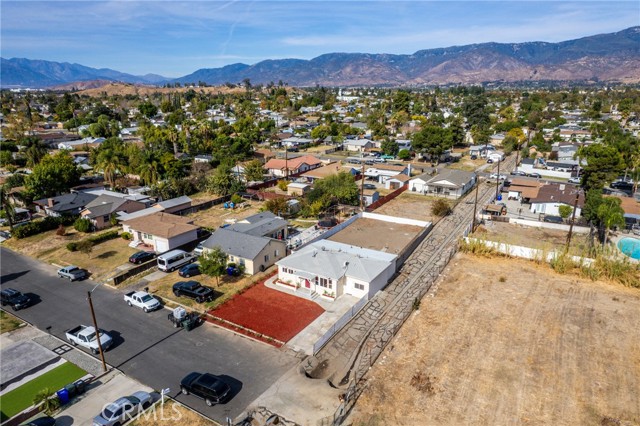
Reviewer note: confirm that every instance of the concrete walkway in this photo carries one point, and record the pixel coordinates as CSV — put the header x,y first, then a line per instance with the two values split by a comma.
x,y
333,311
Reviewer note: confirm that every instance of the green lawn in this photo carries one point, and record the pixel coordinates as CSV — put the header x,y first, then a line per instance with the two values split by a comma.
x,y
8,322
20,398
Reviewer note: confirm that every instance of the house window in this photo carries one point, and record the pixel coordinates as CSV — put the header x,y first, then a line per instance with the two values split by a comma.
x,y
359,286
323,282
105,217
147,236
266,257
276,253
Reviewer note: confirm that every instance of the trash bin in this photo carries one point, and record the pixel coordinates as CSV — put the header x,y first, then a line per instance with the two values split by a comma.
x,y
80,386
63,396
71,388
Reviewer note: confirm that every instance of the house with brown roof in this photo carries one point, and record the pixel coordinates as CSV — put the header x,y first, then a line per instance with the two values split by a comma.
x,y
264,154
552,195
327,170
101,210
524,189
162,231
281,168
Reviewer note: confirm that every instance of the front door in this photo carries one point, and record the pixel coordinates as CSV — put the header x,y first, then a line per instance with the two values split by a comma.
x,y
307,284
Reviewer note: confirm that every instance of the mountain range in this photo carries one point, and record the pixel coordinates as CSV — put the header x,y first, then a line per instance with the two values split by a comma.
x,y
603,57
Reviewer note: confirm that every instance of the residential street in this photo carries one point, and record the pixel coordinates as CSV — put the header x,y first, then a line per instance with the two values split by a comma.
x,y
147,347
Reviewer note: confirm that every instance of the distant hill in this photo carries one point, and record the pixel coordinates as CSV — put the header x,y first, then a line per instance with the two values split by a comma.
x,y
604,57
20,72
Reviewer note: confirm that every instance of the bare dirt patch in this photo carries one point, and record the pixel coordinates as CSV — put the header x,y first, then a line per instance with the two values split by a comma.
x,y
506,341
389,237
172,414
411,206
218,215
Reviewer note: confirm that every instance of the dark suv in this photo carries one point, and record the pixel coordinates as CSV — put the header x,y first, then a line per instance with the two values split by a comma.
x,y
206,386
193,290
553,219
14,298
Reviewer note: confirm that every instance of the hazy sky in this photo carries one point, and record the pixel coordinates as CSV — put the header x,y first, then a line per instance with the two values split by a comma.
x,y
174,38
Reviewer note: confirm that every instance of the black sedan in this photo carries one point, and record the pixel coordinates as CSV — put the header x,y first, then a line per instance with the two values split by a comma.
x,y
14,298
189,270
141,257
213,389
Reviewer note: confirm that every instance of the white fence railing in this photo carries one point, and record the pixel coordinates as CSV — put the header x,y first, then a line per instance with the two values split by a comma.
x,y
340,323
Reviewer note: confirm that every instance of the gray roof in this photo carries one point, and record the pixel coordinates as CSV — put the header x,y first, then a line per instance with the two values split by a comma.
x,y
174,202
68,202
455,177
236,243
104,205
331,259
259,224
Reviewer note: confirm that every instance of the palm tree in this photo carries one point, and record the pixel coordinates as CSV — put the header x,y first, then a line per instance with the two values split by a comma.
x,y
610,214
110,162
6,205
45,397
149,170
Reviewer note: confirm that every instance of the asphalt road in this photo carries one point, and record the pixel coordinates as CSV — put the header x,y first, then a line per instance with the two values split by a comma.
x,y
146,346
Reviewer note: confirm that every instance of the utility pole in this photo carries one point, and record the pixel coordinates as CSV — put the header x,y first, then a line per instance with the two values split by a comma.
x,y
475,205
573,218
95,326
286,163
498,180
362,182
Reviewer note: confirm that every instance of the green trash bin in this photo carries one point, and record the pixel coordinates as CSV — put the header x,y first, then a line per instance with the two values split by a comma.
x,y
71,388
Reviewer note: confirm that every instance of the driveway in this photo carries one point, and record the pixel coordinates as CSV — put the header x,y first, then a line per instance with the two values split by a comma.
x,y
106,389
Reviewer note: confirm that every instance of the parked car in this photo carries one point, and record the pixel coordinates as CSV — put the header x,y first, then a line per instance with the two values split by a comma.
x,y
141,257
199,249
85,336
553,219
518,173
123,409
489,160
189,270
14,298
534,175
72,273
143,300
474,157
574,180
622,185
369,186
206,386
193,290
497,176
42,421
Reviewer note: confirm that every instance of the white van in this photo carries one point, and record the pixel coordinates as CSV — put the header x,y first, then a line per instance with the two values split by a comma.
x,y
172,260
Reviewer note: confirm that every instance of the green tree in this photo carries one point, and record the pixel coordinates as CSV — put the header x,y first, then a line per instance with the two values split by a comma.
x,y
389,147
610,214
110,162
149,169
223,182
148,109
340,187
565,211
213,263
604,163
404,154
55,174
441,207
433,141
85,246
277,206
6,205
254,171
82,224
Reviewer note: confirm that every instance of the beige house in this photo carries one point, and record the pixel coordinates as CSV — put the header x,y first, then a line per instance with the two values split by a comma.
x,y
161,231
100,210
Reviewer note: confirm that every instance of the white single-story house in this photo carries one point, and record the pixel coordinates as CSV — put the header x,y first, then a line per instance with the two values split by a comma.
x,y
449,183
256,253
495,156
332,269
161,231
382,172
551,196
396,182
357,145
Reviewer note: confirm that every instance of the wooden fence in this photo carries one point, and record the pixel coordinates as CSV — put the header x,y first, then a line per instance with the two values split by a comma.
x,y
384,200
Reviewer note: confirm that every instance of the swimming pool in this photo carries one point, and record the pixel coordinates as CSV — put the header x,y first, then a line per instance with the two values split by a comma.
x,y
630,247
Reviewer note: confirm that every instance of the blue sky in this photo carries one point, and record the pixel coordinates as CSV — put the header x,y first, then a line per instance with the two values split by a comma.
x,y
174,38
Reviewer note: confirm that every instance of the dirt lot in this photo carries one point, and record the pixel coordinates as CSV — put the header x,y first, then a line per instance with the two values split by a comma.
x,y
508,342
216,216
539,238
389,237
411,206
172,414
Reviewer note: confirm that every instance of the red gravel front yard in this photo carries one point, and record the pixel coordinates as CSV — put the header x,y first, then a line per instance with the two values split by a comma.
x,y
269,312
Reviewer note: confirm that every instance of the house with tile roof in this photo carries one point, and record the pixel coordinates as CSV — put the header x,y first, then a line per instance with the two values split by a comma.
x,y
281,168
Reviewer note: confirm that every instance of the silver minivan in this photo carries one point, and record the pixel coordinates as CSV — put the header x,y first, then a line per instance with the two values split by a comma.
x,y
174,259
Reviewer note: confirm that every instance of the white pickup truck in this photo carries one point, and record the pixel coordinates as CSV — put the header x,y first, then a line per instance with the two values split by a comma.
x,y
143,300
85,336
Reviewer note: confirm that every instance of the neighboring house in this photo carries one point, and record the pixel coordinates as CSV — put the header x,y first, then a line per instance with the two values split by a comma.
x,y
327,170
100,210
90,142
551,196
66,204
256,253
396,182
264,224
631,208
281,168
450,183
357,145
173,205
382,172
497,138
162,231
565,152
481,150
264,155
298,189
203,158
524,189
331,269
495,156
370,196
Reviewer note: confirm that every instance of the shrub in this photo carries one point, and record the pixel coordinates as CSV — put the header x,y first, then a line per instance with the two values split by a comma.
x,y
83,225
39,226
105,236
236,199
61,231
72,246
282,184
441,208
126,236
